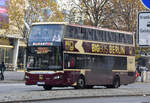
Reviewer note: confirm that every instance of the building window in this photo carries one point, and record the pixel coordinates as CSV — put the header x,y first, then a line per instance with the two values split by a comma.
x,y
20,60
6,55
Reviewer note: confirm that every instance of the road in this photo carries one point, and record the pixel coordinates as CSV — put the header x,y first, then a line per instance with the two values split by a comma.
x,y
19,91
99,100
17,87
21,87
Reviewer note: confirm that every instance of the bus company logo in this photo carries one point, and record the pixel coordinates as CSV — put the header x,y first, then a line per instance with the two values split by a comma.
x,y
40,77
69,45
146,3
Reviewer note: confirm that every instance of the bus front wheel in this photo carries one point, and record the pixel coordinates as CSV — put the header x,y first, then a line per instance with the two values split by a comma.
x,y
80,83
46,87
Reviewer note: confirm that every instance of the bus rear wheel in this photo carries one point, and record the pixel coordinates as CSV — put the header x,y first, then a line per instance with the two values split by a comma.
x,y
46,87
116,83
80,83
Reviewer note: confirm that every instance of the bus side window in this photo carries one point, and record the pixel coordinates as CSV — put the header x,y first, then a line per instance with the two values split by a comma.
x,y
70,32
69,61
90,34
83,31
76,32
98,36
66,60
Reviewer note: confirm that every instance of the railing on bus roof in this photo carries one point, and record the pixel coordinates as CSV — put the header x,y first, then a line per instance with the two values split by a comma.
x,y
42,23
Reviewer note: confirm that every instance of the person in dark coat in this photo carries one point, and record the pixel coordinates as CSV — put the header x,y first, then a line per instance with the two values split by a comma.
x,y
2,69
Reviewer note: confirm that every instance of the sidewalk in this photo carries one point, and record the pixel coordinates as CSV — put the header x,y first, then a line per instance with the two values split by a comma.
x,y
13,77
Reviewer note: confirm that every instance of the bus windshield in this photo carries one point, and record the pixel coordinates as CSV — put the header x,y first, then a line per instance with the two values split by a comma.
x,y
44,58
45,33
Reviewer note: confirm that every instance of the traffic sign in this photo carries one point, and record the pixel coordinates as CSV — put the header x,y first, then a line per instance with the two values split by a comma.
x,y
146,3
144,28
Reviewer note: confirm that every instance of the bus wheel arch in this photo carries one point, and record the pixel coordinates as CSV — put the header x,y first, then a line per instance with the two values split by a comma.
x,y
116,81
80,82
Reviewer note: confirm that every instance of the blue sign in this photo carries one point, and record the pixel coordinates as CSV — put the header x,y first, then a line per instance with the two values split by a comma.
x,y
146,3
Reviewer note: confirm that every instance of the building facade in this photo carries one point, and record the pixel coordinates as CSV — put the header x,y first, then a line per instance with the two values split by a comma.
x,y
9,48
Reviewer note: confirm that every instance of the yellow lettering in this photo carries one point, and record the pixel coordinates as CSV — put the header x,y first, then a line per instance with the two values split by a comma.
x,y
111,49
96,48
122,50
117,49
130,51
93,47
105,49
69,45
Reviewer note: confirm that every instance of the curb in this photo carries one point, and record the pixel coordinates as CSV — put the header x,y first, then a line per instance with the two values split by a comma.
x,y
81,97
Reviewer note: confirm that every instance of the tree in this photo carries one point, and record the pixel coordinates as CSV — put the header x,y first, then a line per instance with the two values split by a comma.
x,y
23,13
124,15
42,10
90,12
16,17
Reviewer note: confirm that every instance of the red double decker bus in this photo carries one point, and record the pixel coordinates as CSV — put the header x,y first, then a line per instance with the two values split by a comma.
x,y
61,54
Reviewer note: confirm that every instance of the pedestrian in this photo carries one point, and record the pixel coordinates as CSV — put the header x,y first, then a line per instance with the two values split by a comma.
x,y
2,68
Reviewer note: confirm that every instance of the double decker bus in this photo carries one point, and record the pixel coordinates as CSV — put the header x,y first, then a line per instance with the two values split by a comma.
x,y
61,54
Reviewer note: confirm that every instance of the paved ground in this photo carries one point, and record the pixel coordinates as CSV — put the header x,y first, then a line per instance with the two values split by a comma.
x,y
73,93
16,77
13,77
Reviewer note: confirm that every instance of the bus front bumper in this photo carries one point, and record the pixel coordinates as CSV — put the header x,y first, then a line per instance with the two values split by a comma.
x,y
44,79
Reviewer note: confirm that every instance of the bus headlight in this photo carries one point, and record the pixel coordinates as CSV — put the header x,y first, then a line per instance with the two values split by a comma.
x,y
58,77
27,77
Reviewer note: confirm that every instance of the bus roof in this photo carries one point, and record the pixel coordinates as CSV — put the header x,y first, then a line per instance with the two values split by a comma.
x,y
84,26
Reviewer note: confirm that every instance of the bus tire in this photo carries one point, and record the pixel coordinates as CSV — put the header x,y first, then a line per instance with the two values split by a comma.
x,y
80,83
46,87
116,83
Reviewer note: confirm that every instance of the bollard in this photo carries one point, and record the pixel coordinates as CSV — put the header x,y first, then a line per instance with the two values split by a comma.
x,y
143,76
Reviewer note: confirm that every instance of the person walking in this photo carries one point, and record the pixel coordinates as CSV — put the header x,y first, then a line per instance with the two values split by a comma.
x,y
2,68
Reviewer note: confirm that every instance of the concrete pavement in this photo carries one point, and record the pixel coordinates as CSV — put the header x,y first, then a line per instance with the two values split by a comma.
x,y
72,93
17,77
13,77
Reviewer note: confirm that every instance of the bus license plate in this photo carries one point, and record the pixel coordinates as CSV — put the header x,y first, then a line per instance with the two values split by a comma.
x,y
40,83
